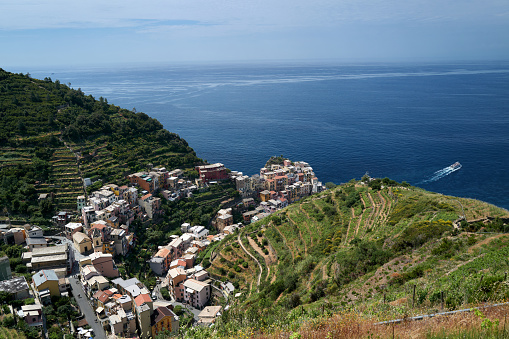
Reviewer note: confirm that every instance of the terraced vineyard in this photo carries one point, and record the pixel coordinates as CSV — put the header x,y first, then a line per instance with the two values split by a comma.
x,y
299,248
52,136
65,180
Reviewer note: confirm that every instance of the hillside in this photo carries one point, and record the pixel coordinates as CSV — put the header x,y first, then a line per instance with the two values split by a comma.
x,y
364,248
52,136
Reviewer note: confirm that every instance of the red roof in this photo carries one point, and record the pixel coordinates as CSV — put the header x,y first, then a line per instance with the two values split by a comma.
x,y
142,299
163,253
101,296
108,292
98,226
146,196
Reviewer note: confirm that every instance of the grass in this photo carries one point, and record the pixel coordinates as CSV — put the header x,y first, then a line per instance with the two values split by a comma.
x,y
413,227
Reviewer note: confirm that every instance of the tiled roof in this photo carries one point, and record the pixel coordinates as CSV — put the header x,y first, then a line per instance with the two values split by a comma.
x,y
163,252
160,313
142,298
146,196
101,296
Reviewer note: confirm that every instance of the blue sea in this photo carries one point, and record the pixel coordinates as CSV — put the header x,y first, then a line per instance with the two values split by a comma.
x,y
402,121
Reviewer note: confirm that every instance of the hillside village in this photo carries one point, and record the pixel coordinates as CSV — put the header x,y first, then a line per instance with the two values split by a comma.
x,y
79,260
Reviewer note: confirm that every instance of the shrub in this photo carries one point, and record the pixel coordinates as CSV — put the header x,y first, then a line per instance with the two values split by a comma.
x,y
419,233
165,293
29,301
447,248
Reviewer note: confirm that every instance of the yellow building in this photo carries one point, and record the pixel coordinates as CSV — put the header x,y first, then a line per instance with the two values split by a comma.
x,y
82,242
163,319
46,280
265,195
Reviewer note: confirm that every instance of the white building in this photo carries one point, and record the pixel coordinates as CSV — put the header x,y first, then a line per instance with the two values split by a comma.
x,y
196,293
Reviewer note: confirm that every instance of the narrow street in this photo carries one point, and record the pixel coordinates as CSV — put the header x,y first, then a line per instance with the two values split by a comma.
x,y
193,310
86,309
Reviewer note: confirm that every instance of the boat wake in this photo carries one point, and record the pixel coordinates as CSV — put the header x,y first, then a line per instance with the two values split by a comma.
x,y
442,173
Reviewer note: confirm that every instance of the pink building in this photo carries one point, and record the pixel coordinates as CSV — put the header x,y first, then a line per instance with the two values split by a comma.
x,y
32,314
104,264
196,293
176,277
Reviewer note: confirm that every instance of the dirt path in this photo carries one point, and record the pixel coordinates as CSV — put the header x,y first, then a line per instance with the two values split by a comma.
x,y
304,211
464,263
350,223
324,272
374,213
363,202
389,205
256,260
359,223
304,242
285,241
485,241
371,199
307,229
370,218
267,258
383,214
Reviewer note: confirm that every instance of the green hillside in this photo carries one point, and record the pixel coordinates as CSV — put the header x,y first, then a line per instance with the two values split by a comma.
x,y
52,136
364,248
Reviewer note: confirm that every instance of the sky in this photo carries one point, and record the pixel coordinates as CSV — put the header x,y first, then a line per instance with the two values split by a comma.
x,y
93,32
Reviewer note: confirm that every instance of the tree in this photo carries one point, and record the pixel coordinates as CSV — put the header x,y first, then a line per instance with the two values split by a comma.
x,y
55,333
330,185
5,297
8,321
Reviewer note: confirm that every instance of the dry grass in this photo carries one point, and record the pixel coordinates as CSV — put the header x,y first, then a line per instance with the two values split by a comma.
x,y
352,325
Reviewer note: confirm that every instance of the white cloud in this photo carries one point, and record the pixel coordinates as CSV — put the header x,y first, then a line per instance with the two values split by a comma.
x,y
29,14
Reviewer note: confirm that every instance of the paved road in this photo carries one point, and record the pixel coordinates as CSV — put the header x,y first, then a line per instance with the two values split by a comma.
x,y
86,309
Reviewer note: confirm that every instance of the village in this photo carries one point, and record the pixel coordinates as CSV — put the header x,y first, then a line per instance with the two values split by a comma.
x,y
79,261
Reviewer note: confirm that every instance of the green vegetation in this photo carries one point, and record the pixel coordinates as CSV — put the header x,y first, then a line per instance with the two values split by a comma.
x,y
52,136
377,247
365,247
275,160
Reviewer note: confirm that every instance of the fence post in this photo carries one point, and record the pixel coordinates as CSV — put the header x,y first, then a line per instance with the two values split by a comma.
x,y
413,299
